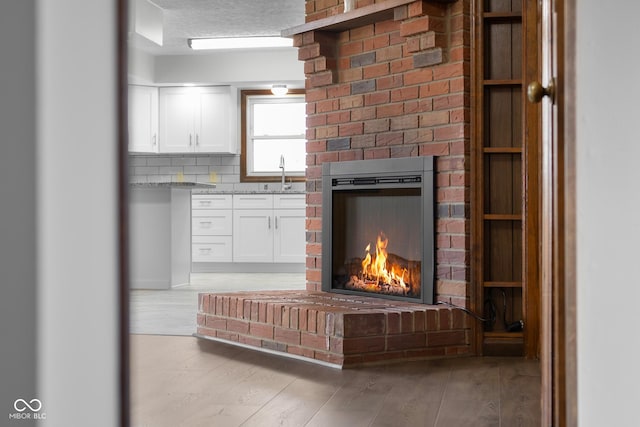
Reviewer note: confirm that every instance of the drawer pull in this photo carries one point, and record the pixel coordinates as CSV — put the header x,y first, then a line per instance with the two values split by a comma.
x,y
205,250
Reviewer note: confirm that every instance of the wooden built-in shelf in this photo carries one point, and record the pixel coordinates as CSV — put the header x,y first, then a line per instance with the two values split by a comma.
x,y
502,16
358,17
500,170
502,217
504,335
503,82
502,150
502,284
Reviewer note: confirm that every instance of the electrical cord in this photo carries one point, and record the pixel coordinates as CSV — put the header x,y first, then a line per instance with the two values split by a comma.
x,y
469,312
509,327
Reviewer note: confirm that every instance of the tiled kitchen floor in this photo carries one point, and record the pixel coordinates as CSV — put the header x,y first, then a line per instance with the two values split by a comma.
x,y
173,312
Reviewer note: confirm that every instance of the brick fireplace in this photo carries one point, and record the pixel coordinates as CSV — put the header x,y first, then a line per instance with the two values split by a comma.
x,y
391,89
388,80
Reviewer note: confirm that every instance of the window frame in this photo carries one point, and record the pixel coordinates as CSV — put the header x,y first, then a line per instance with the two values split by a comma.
x,y
244,139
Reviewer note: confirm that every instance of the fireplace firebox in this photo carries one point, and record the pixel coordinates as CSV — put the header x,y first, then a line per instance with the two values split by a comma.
x,y
378,228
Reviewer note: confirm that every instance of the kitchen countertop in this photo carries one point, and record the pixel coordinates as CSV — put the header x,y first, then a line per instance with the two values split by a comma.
x,y
185,185
214,191
204,188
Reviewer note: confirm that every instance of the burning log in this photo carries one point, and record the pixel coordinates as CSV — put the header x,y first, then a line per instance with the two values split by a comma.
x,y
357,284
382,272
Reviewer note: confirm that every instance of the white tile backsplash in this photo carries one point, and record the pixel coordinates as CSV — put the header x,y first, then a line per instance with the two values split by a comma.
x,y
195,168
183,161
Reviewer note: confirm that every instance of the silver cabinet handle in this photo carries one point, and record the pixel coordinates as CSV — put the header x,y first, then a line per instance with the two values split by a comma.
x,y
269,222
190,139
197,139
155,139
276,222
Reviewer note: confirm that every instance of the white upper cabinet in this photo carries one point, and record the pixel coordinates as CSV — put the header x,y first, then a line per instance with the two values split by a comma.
x,y
197,120
143,119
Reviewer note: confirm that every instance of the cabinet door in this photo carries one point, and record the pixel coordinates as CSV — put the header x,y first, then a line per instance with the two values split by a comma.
x,y
253,235
143,119
213,121
177,119
289,237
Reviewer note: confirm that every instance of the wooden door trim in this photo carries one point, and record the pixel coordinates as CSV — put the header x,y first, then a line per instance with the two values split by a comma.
x,y
564,311
559,396
532,193
122,72
477,61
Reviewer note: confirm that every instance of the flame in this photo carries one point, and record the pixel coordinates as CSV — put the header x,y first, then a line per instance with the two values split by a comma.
x,y
375,268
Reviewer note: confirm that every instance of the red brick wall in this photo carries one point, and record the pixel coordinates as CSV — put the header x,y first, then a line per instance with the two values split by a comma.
x,y
396,88
317,9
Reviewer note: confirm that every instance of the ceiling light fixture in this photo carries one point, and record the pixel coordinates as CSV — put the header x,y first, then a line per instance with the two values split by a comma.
x,y
239,43
279,90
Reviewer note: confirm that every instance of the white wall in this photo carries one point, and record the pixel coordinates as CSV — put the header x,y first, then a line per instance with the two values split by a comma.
x,y
18,346
141,67
77,217
232,67
58,258
608,213
250,68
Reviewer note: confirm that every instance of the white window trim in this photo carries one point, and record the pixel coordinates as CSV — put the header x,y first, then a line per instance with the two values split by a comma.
x,y
267,99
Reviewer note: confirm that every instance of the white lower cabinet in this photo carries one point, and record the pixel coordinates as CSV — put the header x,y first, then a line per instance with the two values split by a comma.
x,y
211,228
248,228
269,228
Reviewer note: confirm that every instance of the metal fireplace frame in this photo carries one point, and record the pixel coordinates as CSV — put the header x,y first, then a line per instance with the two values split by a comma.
x,y
407,172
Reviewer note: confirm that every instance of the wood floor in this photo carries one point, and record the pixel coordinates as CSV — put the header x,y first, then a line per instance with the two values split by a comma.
x,y
184,381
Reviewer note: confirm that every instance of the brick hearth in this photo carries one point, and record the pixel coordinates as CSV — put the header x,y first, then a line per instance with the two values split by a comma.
x,y
333,328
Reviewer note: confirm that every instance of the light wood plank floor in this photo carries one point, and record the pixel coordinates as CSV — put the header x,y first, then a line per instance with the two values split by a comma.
x,y
184,381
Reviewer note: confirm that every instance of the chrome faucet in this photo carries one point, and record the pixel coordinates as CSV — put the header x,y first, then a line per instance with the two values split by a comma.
x,y
284,186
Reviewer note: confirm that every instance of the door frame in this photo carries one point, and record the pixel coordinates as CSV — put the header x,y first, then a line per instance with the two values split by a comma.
x,y
559,389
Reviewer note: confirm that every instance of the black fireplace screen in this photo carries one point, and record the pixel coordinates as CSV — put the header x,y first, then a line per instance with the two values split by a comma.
x,y
378,228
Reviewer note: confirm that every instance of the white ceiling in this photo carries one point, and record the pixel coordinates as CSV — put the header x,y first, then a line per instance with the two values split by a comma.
x,y
184,19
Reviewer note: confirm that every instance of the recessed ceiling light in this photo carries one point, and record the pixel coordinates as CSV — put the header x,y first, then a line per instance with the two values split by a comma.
x,y
279,90
239,43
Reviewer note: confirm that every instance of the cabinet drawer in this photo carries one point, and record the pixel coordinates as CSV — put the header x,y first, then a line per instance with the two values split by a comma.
x,y
289,201
211,249
211,201
252,201
215,223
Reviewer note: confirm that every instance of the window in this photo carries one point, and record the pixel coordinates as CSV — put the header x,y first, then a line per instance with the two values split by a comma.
x,y
272,126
